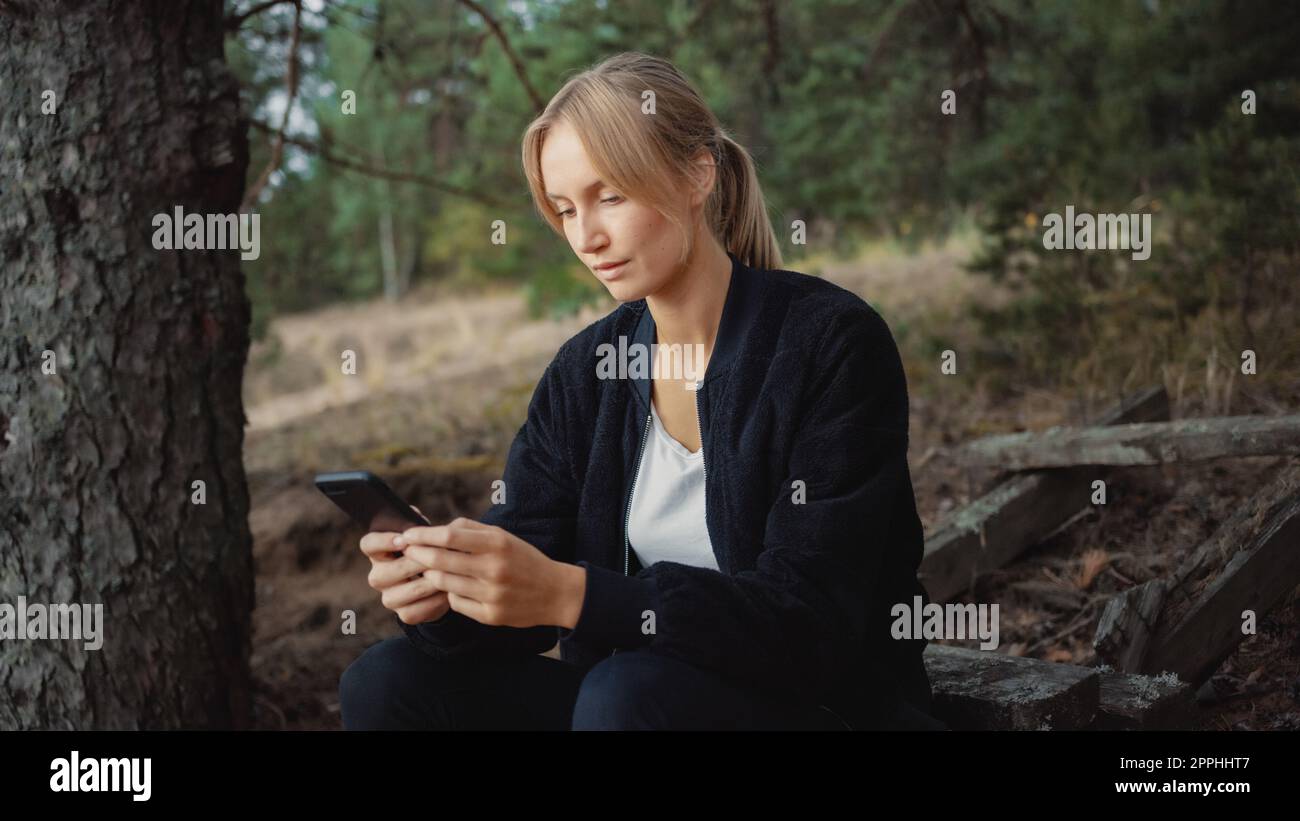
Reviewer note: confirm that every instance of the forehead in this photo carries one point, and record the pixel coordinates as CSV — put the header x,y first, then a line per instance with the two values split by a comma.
x,y
566,168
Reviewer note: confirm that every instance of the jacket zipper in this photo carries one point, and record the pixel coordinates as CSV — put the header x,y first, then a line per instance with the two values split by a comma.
x,y
627,504
704,468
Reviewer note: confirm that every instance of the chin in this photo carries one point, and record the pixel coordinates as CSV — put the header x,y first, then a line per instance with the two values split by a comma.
x,y
624,291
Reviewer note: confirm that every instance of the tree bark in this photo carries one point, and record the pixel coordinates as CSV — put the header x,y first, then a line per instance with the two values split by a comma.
x,y
98,459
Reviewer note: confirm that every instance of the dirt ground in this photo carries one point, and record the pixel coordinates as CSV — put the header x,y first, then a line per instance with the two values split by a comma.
x,y
441,386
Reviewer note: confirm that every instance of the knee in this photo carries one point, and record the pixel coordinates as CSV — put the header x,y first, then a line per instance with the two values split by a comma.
x,y
371,688
626,691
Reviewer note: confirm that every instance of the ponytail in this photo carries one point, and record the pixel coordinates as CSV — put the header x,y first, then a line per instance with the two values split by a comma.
x,y
739,211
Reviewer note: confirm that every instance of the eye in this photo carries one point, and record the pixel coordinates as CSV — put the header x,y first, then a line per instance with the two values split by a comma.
x,y
611,200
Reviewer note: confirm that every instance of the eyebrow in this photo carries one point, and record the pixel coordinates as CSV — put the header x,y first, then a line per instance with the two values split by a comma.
x,y
590,186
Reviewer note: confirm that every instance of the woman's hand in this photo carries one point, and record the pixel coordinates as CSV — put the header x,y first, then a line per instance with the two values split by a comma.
x,y
406,588
494,577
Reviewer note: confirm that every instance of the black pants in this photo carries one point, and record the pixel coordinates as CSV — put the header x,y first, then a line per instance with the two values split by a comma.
x,y
394,686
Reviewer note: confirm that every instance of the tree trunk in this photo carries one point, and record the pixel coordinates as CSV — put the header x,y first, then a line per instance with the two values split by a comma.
x,y
98,459
389,256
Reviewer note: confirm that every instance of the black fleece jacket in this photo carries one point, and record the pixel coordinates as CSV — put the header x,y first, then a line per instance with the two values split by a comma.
x,y
808,503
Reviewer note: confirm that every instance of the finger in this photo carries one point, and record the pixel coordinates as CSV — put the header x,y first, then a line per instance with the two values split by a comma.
x,y
379,545
384,575
472,524
460,585
426,609
457,538
443,558
400,595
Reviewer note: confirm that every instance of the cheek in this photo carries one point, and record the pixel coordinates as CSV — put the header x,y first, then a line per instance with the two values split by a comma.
x,y
647,225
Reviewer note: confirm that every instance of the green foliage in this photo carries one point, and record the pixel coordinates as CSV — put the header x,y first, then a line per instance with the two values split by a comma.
x,y
558,291
1137,108
1114,106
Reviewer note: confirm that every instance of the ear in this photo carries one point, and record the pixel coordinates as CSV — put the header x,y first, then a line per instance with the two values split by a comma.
x,y
705,176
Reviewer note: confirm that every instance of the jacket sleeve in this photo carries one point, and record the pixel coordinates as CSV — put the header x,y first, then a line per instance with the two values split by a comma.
x,y
539,507
796,620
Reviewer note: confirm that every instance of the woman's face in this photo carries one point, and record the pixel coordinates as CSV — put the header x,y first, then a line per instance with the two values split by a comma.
x,y
603,226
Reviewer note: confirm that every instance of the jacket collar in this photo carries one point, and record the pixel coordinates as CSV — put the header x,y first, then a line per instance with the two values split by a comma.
x,y
744,297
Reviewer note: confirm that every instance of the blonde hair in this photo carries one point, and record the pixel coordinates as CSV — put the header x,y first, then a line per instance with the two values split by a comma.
x,y
647,156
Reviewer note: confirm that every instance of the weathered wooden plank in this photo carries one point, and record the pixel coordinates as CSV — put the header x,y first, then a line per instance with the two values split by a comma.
x,y
1017,514
1150,404
994,529
1137,702
977,690
1146,443
1124,630
1192,638
981,690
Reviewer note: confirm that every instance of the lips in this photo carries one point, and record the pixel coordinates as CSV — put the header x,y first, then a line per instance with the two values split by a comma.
x,y
608,271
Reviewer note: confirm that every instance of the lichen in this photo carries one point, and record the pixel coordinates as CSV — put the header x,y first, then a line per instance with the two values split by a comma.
x,y
1150,688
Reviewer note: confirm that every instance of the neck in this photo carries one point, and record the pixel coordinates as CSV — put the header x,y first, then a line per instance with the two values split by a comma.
x,y
688,309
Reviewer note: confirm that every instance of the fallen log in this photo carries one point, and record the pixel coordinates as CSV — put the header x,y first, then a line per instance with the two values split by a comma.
x,y
1137,702
978,690
1191,620
1019,513
1147,443
1258,551
1125,627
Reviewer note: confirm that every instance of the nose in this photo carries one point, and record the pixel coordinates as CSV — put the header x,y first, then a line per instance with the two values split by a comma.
x,y
589,237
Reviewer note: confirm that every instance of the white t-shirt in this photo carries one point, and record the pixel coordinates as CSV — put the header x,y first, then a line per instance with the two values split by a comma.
x,y
666,522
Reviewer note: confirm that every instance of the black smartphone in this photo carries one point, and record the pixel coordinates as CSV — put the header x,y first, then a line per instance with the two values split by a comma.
x,y
369,501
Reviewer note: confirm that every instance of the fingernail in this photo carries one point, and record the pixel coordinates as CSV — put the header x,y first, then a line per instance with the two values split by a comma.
x,y
398,540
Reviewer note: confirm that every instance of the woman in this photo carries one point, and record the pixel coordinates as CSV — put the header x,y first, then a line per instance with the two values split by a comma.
x,y
715,552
